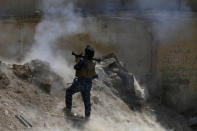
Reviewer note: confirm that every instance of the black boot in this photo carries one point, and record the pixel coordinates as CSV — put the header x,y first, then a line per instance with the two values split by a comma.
x,y
67,111
87,117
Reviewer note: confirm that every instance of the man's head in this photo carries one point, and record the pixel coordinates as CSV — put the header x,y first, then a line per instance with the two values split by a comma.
x,y
89,52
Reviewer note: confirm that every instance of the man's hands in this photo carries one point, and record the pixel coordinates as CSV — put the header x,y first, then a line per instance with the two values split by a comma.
x,y
77,59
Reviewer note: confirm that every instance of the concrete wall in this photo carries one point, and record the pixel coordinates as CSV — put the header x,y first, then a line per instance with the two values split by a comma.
x,y
177,67
18,7
16,38
28,7
132,42
129,39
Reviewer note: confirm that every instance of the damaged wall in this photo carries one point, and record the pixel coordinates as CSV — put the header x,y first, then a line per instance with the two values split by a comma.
x,y
177,68
16,38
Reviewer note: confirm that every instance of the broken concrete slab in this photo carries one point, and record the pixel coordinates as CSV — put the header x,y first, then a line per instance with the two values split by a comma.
x,y
123,81
22,71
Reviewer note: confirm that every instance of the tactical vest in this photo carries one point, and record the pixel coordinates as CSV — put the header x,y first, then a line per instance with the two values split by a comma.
x,y
89,72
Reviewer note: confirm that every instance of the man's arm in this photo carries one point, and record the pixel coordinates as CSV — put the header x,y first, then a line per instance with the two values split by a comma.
x,y
81,64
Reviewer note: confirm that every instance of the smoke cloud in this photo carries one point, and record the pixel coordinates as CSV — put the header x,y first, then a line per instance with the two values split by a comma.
x,y
170,17
59,21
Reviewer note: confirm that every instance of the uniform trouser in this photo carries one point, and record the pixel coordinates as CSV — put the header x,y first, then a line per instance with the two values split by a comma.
x,y
83,86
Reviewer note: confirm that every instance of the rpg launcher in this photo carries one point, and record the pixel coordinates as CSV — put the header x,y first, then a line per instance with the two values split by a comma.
x,y
81,56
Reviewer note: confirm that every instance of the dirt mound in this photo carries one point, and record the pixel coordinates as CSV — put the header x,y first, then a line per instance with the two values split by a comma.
x,y
38,73
4,81
20,92
25,92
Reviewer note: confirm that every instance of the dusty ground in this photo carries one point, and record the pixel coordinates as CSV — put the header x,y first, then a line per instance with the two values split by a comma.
x,y
21,96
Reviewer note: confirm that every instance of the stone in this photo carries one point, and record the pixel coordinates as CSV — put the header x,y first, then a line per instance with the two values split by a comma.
x,y
38,73
95,99
6,112
4,81
22,71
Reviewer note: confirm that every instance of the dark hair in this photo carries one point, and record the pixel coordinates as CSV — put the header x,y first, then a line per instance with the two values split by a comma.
x,y
89,52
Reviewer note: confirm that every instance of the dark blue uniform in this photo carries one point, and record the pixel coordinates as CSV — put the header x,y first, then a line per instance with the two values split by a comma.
x,y
80,84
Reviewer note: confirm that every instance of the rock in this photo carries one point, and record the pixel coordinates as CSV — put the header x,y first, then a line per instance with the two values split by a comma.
x,y
101,73
4,81
38,66
116,70
123,81
44,83
22,71
95,99
108,63
43,76
113,75
38,73
6,112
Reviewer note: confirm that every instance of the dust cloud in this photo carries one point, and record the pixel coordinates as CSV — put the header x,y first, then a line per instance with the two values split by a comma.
x,y
170,17
61,21
112,114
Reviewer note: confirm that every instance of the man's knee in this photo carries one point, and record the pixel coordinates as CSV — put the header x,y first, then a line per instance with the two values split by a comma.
x,y
69,91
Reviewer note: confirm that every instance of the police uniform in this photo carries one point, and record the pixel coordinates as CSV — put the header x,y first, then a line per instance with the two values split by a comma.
x,y
85,71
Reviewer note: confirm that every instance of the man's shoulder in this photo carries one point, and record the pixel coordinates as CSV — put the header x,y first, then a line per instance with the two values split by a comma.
x,y
82,60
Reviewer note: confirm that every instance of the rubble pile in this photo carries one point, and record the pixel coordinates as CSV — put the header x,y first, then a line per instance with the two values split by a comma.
x,y
20,95
22,71
123,81
23,105
39,73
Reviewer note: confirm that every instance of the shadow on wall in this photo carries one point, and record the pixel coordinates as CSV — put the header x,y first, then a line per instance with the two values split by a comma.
x,y
178,94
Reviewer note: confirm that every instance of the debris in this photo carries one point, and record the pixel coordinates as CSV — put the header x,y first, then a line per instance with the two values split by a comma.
x,y
95,99
76,117
6,112
38,73
23,97
43,76
23,121
22,71
111,55
124,82
54,114
4,81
